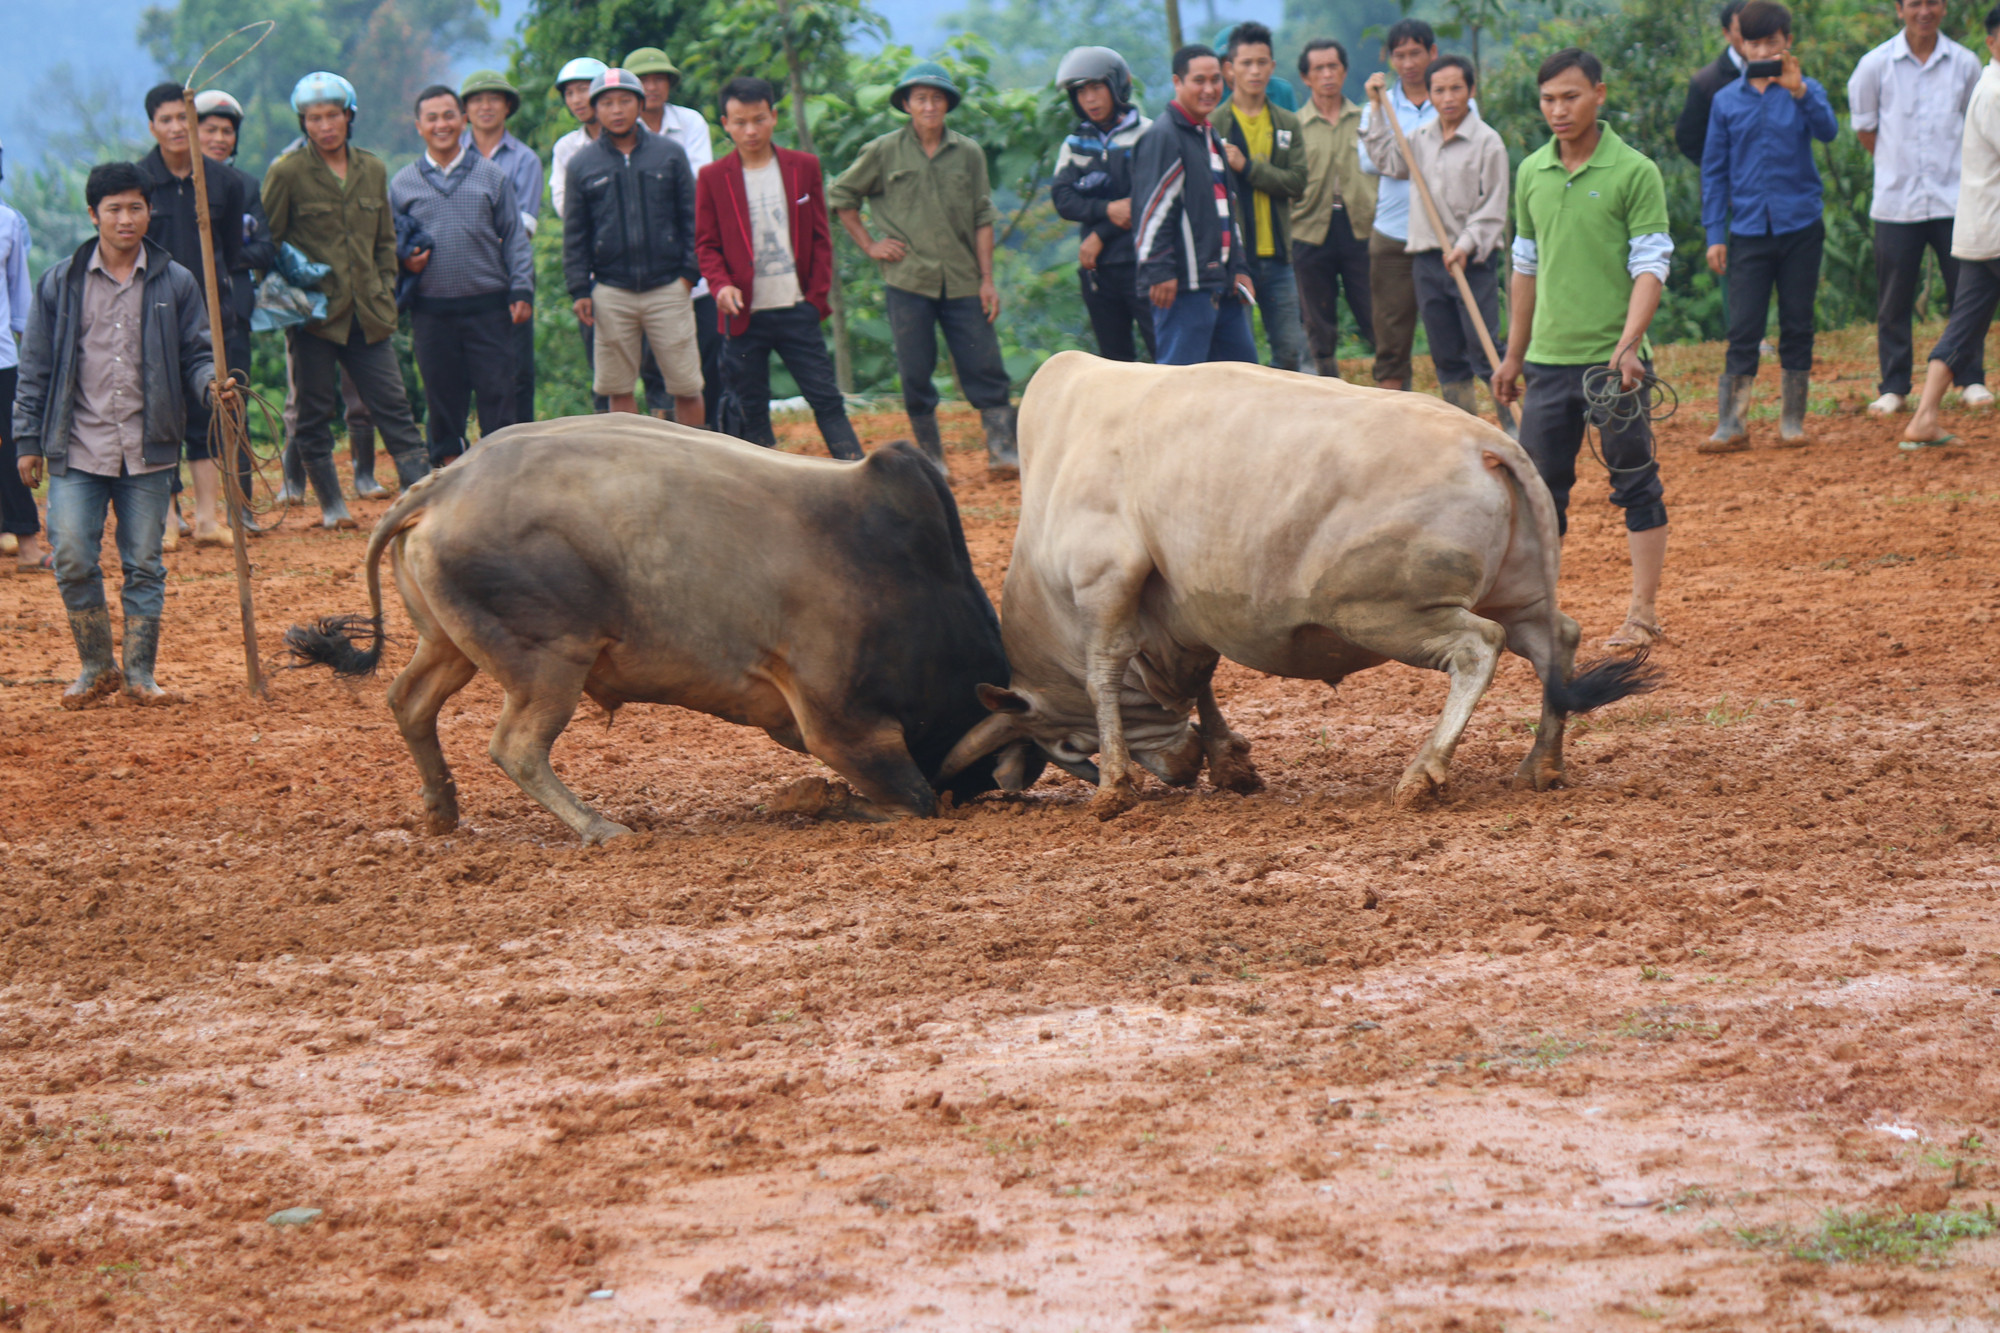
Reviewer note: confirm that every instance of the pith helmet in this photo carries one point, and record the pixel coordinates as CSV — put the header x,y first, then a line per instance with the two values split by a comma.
x,y
491,81
652,60
926,74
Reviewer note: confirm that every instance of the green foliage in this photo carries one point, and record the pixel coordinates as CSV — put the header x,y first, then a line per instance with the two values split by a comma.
x,y
89,127
1029,37
1894,1237
388,49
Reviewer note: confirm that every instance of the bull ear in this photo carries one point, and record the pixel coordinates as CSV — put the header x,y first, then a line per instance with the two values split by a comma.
x,y
998,700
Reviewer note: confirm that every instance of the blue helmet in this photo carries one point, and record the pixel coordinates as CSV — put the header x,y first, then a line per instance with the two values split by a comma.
x,y
580,70
322,86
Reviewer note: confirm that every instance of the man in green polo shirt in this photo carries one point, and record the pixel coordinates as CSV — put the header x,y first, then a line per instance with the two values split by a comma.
x,y
926,188
1591,252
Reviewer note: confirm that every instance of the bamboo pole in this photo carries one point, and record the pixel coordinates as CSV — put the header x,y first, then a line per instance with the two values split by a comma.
x,y
233,441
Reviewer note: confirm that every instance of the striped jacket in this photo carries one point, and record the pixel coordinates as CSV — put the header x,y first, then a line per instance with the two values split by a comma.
x,y
1184,208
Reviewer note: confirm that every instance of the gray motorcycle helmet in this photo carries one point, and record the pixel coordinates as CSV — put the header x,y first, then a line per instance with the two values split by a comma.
x,y
1095,64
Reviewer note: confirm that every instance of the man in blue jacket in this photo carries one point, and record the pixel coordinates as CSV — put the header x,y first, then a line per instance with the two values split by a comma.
x,y
1191,261
1761,207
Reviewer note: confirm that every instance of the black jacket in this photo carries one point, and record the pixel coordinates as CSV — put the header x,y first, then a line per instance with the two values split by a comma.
x,y
1176,226
260,252
1691,130
176,227
628,221
173,343
1093,170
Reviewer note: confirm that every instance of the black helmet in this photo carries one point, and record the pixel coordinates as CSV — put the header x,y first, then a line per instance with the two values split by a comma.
x,y
1095,64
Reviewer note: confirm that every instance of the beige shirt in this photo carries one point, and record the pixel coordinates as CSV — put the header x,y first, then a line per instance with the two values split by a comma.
x,y
1467,174
108,429
1975,232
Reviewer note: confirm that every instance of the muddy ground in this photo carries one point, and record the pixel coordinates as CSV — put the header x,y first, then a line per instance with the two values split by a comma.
x,y
1595,1059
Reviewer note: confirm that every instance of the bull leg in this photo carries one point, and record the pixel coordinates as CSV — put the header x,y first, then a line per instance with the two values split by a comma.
x,y
1449,639
529,724
1554,658
1229,766
1105,677
436,672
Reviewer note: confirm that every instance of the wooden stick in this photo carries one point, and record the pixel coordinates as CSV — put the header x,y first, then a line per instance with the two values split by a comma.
x,y
1437,226
232,445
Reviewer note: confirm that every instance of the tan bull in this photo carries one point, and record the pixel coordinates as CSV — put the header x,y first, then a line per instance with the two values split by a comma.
x,y
1173,516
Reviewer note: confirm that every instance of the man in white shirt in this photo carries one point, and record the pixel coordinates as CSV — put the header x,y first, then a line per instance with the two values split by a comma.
x,y
573,86
1908,99
1975,244
688,128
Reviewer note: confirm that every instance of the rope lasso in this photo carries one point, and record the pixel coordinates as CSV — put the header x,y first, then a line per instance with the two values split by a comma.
x,y
1608,402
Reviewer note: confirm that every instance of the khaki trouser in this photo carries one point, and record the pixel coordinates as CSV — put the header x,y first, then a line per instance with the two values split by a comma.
x,y
1392,288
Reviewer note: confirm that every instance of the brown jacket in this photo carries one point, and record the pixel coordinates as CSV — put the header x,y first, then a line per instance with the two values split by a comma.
x,y
1333,160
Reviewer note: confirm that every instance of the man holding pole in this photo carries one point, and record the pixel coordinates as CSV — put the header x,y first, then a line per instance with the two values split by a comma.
x,y
1591,254
1459,167
1410,47
116,355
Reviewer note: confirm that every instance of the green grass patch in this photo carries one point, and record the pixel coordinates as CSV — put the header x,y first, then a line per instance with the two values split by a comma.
x,y
1893,1237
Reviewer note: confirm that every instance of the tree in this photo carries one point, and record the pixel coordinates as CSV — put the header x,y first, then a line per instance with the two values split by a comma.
x,y
1028,37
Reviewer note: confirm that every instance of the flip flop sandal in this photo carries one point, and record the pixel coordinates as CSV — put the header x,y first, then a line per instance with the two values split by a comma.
x,y
1911,446
1635,634
46,565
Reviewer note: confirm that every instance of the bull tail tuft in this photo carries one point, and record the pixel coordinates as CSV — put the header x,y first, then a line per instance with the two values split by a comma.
x,y
1602,682
333,641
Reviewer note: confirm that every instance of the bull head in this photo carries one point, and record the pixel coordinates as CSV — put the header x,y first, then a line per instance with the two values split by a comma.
x,y
1007,727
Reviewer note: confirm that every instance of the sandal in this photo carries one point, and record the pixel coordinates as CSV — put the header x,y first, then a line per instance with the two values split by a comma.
x,y
1912,446
46,565
1635,634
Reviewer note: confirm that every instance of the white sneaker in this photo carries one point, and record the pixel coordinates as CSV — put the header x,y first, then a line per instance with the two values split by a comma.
x,y
1975,395
1886,405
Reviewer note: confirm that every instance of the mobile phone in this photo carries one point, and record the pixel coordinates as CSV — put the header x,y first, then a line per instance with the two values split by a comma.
x,y
1763,69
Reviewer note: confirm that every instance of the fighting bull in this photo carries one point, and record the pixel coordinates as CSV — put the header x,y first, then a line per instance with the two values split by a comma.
x,y
1303,527
832,604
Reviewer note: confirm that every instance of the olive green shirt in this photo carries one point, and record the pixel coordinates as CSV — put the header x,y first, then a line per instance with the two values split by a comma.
x,y
933,205
1333,175
344,224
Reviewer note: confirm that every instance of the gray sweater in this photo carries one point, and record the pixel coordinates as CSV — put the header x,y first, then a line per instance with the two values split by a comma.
x,y
482,259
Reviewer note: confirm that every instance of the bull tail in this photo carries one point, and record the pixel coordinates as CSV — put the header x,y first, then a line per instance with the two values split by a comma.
x,y
1594,684
334,641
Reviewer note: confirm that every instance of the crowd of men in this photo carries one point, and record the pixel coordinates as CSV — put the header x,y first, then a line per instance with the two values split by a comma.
x,y
687,273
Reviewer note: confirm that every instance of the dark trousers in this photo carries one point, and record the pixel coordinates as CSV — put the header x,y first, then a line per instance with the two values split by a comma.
x,y
316,366
17,503
1455,346
1788,263
1899,266
1111,294
1963,345
461,355
1339,262
1392,290
1553,415
523,407
794,335
914,324
708,342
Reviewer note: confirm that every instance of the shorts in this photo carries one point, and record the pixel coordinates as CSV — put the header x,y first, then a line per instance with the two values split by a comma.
x,y
662,316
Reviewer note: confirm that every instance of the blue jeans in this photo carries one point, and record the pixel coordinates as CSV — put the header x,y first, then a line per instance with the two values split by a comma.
x,y
1198,328
77,501
1278,302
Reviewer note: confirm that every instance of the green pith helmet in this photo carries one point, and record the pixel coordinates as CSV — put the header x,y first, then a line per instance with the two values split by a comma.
x,y
652,60
491,81
925,74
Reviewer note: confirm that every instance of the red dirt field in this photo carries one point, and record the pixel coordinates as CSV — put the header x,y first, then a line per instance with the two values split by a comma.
x,y
1597,1059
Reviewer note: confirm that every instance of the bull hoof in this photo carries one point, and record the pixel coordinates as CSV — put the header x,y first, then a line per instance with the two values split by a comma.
x,y
437,823
1230,769
1113,800
1416,791
1535,776
603,830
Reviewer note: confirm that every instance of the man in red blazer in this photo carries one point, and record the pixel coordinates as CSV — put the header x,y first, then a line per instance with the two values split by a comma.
x,y
762,241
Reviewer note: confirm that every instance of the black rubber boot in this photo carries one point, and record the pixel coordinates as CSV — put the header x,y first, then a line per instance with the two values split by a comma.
x,y
412,467
1797,388
92,631
924,426
326,487
361,448
1461,394
1328,367
1003,458
1732,396
841,441
142,649
295,476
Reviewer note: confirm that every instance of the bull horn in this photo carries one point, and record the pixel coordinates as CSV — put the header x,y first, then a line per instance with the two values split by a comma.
x,y
995,731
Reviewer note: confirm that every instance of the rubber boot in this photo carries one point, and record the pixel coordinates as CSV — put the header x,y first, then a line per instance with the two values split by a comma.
x,y
1003,457
325,481
841,441
1328,366
1732,396
361,449
295,476
1461,394
92,631
924,426
142,649
412,467
1508,423
1797,384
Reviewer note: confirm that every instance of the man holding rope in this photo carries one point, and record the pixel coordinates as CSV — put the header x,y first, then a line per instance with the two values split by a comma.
x,y
1590,225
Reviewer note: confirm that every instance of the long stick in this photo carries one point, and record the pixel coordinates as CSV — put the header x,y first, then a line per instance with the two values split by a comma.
x,y
232,441
1437,226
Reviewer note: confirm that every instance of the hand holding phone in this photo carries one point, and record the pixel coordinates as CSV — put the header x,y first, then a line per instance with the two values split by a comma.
x,y
1763,69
